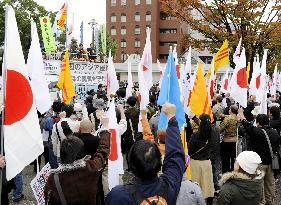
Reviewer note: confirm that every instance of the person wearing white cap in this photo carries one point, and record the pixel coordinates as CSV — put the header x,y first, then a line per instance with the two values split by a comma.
x,y
263,140
242,186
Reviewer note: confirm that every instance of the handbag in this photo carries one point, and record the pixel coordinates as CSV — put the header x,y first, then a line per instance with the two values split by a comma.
x,y
274,156
199,149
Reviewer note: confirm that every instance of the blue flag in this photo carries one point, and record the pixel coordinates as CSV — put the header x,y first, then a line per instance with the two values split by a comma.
x,y
170,92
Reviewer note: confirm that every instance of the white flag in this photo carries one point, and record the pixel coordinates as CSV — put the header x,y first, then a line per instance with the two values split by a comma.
x,y
237,52
112,82
22,135
115,158
35,67
239,81
263,78
129,89
146,60
274,84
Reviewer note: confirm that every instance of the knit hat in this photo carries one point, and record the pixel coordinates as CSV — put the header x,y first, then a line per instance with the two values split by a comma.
x,y
99,104
249,161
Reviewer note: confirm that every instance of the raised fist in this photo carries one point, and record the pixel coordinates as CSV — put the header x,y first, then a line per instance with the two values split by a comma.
x,y
169,110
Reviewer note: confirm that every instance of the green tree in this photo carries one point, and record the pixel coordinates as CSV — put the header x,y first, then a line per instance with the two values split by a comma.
x,y
257,22
24,10
111,44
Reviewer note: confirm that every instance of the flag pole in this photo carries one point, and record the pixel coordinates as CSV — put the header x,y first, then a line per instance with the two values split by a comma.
x,y
3,97
169,75
66,29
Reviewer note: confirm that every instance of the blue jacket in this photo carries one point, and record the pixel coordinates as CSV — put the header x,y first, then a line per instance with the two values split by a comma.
x,y
173,169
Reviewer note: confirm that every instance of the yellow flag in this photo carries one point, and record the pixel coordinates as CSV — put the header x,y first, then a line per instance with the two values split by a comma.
x,y
248,71
65,82
185,148
222,57
200,101
62,19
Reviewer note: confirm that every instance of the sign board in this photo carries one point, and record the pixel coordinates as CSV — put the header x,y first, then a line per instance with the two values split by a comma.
x,y
85,75
38,184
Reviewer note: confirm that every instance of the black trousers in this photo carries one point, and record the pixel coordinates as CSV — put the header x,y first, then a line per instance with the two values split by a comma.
x,y
228,155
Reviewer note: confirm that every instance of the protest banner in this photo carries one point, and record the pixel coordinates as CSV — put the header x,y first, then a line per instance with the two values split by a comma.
x,y
85,75
47,34
39,182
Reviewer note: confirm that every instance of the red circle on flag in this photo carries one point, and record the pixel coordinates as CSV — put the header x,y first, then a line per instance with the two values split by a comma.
x,y
19,98
242,78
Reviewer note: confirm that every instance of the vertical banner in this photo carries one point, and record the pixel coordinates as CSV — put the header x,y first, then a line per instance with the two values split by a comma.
x,y
97,41
47,34
103,39
82,32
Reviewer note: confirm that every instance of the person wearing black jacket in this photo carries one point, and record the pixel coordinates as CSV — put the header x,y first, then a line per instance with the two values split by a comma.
x,y
201,150
275,120
258,143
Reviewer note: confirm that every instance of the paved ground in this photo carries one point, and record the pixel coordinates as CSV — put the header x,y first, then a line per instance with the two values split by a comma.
x,y
30,200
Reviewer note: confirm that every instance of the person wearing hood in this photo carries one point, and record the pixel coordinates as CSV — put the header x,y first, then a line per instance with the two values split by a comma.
x,y
243,185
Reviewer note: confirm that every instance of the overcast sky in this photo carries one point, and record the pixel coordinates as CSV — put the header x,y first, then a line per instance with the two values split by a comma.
x,y
84,10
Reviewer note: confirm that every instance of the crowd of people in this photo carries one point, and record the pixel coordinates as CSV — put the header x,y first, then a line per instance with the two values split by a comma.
x,y
229,154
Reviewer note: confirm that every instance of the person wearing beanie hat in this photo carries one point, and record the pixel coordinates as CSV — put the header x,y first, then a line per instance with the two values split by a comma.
x,y
248,161
243,185
258,138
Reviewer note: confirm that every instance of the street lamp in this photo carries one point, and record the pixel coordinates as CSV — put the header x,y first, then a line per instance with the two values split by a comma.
x,y
93,25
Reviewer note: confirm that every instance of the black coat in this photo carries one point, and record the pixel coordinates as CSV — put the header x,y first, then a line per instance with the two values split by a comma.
x,y
91,143
210,149
276,124
257,141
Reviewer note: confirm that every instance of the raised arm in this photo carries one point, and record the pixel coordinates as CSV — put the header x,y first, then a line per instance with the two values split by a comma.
x,y
122,125
99,160
174,162
147,134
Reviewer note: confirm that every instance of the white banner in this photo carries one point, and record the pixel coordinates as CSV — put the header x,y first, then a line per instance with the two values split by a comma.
x,y
85,75
39,182
52,67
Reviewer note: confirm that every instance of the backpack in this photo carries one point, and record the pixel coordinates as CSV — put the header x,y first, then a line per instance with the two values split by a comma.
x,y
139,199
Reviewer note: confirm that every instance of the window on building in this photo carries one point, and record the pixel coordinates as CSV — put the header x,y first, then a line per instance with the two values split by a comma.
x,y
123,2
148,16
138,55
123,43
113,31
167,43
113,2
137,16
113,18
123,56
137,43
137,30
123,17
163,57
137,2
123,30
164,16
148,1
168,30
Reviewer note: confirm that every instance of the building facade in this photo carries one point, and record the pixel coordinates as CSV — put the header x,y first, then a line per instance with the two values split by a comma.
x,y
127,20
